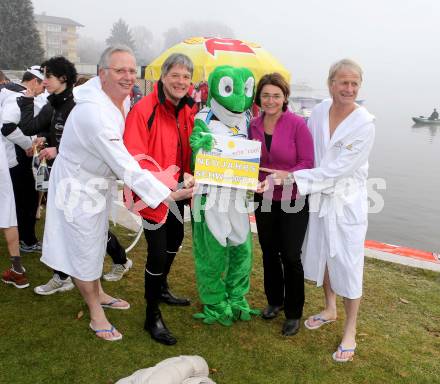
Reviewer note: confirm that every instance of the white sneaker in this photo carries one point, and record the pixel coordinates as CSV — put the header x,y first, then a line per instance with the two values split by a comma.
x,y
118,270
55,284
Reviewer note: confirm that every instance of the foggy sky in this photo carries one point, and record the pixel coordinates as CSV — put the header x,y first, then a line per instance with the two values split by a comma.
x,y
396,41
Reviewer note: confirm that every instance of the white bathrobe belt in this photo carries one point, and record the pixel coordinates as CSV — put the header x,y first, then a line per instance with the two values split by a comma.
x,y
328,204
328,213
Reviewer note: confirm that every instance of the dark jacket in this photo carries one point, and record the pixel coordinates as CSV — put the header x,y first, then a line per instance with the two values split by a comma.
x,y
51,119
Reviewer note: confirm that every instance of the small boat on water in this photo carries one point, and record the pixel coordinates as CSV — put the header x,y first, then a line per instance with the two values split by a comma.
x,y
425,120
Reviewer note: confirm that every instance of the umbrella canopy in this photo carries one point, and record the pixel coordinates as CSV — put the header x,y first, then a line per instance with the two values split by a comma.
x,y
210,52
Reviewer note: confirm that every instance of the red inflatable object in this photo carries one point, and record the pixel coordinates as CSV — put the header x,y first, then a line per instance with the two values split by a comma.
x,y
403,251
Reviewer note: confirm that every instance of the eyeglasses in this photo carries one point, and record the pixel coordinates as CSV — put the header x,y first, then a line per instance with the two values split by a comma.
x,y
267,96
123,71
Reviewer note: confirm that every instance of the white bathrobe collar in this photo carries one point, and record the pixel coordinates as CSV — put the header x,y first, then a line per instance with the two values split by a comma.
x,y
357,118
91,92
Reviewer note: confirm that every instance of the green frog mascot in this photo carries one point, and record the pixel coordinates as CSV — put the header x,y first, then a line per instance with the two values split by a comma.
x,y
221,231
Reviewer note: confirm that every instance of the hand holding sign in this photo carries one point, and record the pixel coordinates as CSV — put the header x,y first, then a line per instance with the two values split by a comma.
x,y
279,177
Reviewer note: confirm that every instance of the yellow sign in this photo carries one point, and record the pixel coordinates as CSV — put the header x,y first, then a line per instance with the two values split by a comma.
x,y
232,163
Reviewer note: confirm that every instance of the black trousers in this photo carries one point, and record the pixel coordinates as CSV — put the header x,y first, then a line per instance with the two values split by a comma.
x,y
115,250
163,242
26,200
281,235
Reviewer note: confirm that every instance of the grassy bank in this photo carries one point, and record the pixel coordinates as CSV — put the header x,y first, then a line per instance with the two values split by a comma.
x,y
46,340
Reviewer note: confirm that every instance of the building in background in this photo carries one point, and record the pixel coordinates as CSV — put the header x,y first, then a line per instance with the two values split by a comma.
x,y
58,36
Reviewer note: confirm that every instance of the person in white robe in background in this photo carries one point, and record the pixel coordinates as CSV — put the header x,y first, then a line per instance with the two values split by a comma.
x,y
80,187
10,136
8,222
343,135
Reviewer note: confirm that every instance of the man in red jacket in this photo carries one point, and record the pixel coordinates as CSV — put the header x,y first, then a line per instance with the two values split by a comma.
x,y
157,134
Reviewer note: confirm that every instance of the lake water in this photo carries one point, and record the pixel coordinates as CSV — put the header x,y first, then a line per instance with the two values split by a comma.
x,y
407,158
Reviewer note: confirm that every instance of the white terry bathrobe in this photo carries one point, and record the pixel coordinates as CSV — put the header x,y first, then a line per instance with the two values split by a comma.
x,y
10,113
338,199
8,216
81,182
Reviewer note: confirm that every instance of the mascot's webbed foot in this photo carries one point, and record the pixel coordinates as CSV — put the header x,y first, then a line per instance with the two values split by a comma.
x,y
216,313
242,311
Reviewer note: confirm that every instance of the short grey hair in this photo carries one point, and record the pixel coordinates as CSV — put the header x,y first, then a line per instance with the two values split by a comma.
x,y
176,59
104,60
343,64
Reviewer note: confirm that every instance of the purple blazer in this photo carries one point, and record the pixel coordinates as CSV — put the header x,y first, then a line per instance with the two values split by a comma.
x,y
291,148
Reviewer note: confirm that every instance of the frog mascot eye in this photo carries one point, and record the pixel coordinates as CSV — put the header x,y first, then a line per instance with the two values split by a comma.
x,y
249,87
226,86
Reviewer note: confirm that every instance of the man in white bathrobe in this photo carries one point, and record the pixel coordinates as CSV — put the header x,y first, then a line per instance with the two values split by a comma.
x,y
343,134
80,187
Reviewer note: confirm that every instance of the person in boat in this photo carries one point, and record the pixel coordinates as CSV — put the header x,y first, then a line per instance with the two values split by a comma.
x,y
434,115
343,135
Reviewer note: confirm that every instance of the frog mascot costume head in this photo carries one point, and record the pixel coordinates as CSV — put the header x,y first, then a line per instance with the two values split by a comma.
x,y
221,231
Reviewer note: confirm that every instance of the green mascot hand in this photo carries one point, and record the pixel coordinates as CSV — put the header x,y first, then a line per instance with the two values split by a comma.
x,y
200,139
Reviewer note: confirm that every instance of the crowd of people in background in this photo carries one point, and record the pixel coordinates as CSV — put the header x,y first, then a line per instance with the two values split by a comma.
x,y
311,201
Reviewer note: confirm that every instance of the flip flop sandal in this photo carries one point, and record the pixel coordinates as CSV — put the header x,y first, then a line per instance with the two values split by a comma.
x,y
343,360
113,338
112,303
321,320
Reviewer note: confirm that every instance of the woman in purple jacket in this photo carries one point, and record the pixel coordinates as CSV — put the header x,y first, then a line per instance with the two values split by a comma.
x,y
281,217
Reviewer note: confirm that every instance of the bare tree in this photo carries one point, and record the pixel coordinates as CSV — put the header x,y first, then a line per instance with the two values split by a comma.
x,y
206,29
171,37
121,34
196,28
89,49
144,41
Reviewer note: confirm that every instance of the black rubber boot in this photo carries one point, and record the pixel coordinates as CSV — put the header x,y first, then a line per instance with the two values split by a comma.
x,y
291,327
271,311
155,325
167,297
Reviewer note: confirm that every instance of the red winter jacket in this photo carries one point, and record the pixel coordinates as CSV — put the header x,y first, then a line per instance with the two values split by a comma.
x,y
157,135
